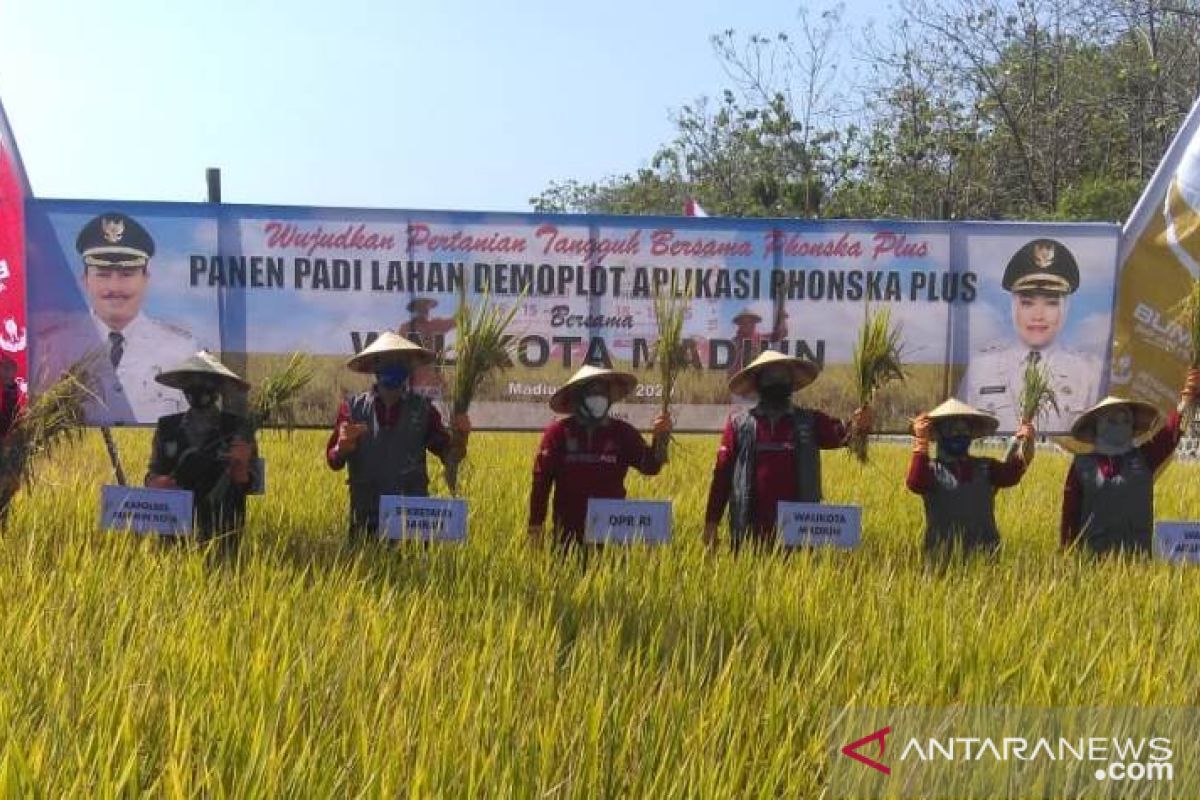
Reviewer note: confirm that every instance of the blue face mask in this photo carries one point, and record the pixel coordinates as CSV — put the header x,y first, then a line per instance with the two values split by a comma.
x,y
954,446
392,377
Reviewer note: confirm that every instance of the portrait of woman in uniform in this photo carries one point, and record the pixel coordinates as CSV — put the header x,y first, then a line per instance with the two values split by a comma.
x,y
1042,278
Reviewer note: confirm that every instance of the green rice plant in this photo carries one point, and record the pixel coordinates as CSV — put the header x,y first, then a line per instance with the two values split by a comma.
x,y
482,347
273,400
1186,314
54,417
1036,398
1037,393
318,669
670,313
877,361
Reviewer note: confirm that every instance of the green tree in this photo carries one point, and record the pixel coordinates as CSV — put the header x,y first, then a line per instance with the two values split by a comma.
x,y
970,109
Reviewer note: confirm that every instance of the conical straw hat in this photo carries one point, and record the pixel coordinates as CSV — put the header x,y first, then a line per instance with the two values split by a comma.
x,y
620,385
388,350
982,424
804,372
422,302
201,363
1145,418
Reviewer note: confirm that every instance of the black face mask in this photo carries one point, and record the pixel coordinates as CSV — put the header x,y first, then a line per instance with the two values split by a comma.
x,y
776,394
200,397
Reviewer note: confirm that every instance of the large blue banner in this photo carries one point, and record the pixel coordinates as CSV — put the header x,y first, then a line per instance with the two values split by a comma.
x,y
138,286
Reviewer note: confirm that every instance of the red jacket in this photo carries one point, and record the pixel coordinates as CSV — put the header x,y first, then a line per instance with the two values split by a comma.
x,y
582,463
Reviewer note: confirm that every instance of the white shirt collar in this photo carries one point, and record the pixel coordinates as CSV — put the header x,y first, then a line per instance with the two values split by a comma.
x,y
127,331
1053,349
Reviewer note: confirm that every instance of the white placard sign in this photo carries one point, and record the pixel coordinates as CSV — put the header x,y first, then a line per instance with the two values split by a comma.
x,y
819,525
422,519
1177,541
628,522
163,512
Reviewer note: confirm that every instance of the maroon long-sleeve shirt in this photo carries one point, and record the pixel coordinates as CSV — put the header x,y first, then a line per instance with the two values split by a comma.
x,y
581,463
1156,451
1002,473
774,465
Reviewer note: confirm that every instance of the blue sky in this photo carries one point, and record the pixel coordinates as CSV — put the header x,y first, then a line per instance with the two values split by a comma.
x,y
453,104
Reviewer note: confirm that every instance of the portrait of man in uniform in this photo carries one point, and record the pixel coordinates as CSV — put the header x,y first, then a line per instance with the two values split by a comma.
x,y
123,346
429,332
749,341
1041,277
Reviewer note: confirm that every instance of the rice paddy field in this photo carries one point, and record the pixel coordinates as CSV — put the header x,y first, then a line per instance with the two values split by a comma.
x,y
310,669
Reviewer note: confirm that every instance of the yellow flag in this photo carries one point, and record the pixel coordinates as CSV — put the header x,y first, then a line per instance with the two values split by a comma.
x,y
1160,257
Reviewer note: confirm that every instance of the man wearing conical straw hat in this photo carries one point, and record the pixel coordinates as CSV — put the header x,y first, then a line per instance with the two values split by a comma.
x,y
958,488
205,450
1108,499
381,435
425,330
587,453
771,453
747,339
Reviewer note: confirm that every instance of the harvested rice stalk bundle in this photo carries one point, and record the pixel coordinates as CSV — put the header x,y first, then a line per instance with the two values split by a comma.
x,y
878,361
1037,393
670,312
1037,397
273,400
55,416
481,348
1187,315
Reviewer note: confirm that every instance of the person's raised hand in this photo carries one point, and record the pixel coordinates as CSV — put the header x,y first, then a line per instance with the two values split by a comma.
x,y
662,425
1191,385
240,453
1027,436
922,433
348,435
161,482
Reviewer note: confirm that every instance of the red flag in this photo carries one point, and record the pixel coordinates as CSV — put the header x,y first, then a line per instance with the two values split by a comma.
x,y
14,188
693,209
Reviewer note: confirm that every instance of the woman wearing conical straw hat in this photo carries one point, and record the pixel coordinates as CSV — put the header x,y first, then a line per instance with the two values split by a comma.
x,y
1108,499
205,450
958,488
587,453
381,435
771,453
